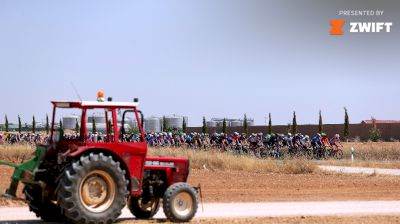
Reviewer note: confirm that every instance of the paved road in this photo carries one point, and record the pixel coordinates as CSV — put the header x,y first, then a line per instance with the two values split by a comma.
x,y
361,170
269,209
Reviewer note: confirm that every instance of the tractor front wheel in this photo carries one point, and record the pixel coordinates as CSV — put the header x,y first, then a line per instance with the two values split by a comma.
x,y
93,190
180,202
142,209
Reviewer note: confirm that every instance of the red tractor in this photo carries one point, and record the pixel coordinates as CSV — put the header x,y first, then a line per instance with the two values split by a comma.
x,y
85,179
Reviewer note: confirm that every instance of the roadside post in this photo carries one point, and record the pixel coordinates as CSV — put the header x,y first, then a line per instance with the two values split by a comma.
x,y
352,154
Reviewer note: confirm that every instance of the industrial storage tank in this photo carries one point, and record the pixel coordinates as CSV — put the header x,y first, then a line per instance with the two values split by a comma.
x,y
211,124
152,124
69,122
176,121
98,119
100,127
250,122
236,123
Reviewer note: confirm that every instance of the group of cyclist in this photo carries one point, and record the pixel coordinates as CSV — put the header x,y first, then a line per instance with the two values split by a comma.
x,y
257,143
25,138
274,145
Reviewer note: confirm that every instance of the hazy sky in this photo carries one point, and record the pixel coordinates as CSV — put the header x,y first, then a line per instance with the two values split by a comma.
x,y
200,58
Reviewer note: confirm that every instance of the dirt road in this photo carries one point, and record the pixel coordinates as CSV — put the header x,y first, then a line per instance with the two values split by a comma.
x,y
236,186
271,209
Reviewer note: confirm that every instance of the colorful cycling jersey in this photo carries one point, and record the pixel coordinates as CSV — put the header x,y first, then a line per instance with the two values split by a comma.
x,y
325,140
334,140
316,139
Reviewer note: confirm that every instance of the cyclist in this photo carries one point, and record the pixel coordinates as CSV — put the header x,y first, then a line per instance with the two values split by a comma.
x,y
325,140
335,142
253,140
316,141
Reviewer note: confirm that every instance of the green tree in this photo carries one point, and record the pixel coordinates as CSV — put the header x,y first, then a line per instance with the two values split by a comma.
x,y
204,128
19,124
294,123
320,125
184,125
346,131
269,124
6,123
61,124
94,125
164,124
47,124
245,125
77,128
33,124
224,126
374,132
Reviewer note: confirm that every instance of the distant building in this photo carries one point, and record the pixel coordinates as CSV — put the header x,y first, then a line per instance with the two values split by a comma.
x,y
381,122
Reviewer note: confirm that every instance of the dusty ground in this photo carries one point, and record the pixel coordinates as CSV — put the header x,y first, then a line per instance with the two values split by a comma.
x,y
236,186
289,220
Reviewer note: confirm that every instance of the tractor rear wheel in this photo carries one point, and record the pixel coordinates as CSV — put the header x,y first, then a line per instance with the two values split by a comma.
x,y
180,202
144,210
93,190
43,207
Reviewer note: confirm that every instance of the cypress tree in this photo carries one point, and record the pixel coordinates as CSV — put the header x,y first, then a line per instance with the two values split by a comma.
x,y
320,125
294,123
6,123
164,124
204,128
346,132
19,124
77,128
245,125
93,125
224,126
47,124
33,124
184,125
61,124
269,124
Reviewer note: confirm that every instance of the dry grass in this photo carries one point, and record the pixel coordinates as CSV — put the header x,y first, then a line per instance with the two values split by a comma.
x,y
221,161
371,154
373,151
16,153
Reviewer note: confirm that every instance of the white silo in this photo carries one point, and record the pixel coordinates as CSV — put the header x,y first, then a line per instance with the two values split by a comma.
x,y
152,124
69,122
176,121
98,119
211,124
236,123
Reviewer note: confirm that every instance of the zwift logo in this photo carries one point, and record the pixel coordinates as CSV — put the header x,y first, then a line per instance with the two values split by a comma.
x,y
338,26
360,27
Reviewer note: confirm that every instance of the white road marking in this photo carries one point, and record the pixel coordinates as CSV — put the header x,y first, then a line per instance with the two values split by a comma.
x,y
265,209
361,170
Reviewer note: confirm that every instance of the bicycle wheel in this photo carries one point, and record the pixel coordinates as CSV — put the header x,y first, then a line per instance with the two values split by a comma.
x,y
339,154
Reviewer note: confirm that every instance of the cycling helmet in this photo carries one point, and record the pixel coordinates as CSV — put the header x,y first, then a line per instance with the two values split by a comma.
x,y
323,134
289,134
337,136
319,135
